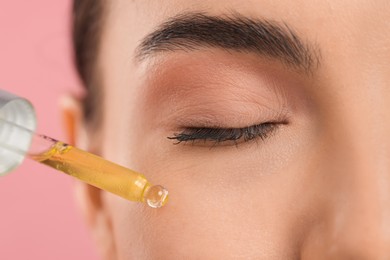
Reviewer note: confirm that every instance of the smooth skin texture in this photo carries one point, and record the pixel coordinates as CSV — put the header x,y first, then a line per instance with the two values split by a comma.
x,y
318,187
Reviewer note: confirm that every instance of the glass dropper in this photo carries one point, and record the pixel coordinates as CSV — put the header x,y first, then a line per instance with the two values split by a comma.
x,y
87,167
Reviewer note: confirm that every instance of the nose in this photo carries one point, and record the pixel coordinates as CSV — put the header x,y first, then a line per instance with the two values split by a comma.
x,y
356,222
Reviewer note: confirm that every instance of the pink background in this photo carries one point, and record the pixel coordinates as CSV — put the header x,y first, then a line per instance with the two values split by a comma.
x,y
38,215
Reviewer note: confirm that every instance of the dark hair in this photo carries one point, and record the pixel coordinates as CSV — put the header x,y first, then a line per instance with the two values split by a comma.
x,y
86,31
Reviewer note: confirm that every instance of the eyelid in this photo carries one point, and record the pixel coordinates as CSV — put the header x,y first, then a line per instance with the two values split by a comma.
x,y
231,120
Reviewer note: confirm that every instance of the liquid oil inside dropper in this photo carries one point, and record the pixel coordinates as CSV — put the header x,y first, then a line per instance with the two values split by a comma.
x,y
101,173
82,165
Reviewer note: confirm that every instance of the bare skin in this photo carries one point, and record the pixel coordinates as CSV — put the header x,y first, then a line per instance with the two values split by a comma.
x,y
317,187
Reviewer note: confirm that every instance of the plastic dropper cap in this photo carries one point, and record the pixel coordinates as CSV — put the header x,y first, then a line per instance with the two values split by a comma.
x,y
14,144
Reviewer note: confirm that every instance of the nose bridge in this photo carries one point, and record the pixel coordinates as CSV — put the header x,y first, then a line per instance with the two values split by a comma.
x,y
367,132
355,157
360,219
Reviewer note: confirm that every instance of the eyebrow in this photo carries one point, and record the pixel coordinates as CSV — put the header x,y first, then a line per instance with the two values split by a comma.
x,y
192,31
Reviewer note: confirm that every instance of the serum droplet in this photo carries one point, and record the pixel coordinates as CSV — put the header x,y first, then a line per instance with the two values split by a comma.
x,y
156,196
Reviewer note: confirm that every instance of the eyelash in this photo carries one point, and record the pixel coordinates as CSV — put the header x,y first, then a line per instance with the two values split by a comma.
x,y
221,135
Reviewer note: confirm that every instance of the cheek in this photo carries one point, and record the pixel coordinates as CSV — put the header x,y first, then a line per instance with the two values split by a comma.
x,y
204,220
221,203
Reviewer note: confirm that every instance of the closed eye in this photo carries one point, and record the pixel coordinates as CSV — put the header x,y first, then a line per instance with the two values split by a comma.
x,y
231,136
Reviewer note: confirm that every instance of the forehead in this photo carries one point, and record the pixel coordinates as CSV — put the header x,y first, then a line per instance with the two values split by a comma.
x,y
319,21
343,30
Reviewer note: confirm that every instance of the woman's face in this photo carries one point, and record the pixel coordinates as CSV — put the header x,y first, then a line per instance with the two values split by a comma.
x,y
278,118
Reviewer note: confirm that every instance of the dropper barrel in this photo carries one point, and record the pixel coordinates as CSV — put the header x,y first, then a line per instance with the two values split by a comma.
x,y
102,174
82,165
95,171
86,167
